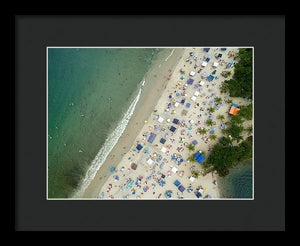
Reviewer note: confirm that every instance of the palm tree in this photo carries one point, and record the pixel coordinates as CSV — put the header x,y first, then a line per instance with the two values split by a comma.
x,y
191,147
239,138
237,119
213,136
202,131
209,122
218,100
203,153
192,159
249,130
221,117
229,101
195,174
228,73
211,110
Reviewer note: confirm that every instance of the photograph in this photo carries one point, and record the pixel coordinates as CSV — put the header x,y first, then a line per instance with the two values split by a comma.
x,y
150,123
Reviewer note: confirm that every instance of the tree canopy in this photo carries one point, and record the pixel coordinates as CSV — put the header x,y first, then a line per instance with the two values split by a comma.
x,y
241,83
225,156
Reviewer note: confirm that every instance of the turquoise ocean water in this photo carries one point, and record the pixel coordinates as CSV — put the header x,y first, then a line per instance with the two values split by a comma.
x,y
89,90
239,183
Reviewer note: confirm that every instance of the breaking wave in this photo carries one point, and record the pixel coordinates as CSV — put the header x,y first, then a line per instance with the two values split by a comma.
x,y
108,145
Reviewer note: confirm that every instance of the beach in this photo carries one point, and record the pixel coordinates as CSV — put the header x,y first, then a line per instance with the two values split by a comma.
x,y
173,101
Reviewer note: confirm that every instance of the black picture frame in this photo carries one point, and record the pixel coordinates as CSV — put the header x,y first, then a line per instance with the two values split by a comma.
x,y
33,33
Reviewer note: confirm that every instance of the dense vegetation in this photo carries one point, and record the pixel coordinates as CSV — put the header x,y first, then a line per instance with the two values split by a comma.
x,y
235,128
225,156
246,111
241,83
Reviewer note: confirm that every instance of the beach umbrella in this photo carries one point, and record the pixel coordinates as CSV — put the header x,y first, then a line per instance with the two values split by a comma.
x,y
170,96
112,169
169,77
204,74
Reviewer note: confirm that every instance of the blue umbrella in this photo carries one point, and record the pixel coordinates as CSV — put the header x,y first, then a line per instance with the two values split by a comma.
x,y
112,169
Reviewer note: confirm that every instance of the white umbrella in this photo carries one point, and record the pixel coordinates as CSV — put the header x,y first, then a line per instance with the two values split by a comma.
x,y
174,169
150,161
163,149
215,64
160,119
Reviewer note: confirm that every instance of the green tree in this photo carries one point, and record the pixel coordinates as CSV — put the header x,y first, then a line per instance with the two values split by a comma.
x,y
192,158
237,120
209,122
213,136
211,109
225,141
246,111
191,147
241,83
223,156
202,131
195,173
249,130
221,117
235,131
218,100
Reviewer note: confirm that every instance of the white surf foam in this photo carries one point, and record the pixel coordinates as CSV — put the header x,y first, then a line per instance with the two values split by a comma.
x,y
170,55
110,142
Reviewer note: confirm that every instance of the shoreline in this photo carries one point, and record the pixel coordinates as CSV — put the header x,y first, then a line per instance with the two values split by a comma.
x,y
235,172
155,95
155,84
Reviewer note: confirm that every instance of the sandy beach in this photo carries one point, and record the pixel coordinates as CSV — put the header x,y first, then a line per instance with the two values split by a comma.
x,y
150,172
